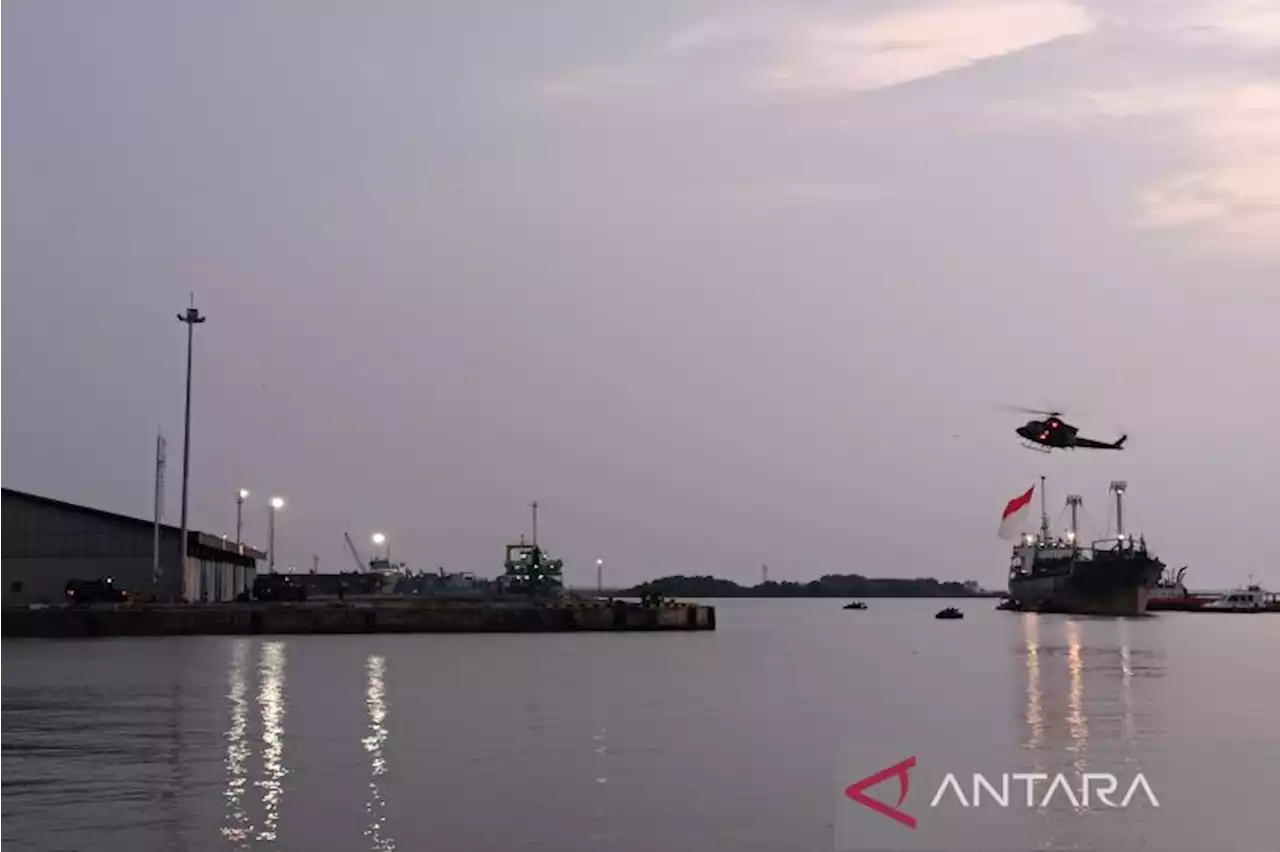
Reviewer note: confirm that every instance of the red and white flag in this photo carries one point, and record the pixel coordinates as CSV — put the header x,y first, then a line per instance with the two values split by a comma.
x,y
1015,515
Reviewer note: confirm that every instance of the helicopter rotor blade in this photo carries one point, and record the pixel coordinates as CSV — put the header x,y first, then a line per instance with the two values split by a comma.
x,y
1022,409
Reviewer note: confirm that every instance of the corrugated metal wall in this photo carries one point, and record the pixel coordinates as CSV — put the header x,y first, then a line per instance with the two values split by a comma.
x,y
44,545
38,530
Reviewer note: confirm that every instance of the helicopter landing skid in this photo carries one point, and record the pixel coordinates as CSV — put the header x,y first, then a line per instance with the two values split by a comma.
x,y
1037,448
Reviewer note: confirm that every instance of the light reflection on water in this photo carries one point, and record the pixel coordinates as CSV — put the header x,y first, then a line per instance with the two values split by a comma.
x,y
271,703
1035,698
237,828
374,744
600,748
1077,721
1126,685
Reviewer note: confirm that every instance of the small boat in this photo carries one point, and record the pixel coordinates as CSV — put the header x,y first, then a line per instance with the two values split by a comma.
x,y
949,613
855,605
1008,605
1250,599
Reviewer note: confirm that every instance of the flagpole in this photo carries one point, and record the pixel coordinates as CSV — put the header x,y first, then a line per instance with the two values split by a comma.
x,y
1043,514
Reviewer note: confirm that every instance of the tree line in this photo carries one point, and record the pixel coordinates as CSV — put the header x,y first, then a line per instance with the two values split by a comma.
x,y
827,586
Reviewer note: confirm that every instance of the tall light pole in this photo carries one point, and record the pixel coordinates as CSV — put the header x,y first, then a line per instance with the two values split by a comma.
x,y
378,540
192,318
277,503
599,576
240,497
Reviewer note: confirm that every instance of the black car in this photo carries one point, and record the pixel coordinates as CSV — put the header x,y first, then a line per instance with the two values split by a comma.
x,y
101,590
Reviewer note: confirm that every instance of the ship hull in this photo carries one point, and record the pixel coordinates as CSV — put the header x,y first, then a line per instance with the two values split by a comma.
x,y
1106,586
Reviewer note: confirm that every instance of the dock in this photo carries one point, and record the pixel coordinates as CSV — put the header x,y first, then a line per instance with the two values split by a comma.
x,y
332,617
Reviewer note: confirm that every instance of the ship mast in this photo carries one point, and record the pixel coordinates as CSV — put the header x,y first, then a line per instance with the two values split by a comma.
x,y
1044,515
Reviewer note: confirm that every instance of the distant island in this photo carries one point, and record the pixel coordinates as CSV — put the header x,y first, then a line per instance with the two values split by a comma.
x,y
827,586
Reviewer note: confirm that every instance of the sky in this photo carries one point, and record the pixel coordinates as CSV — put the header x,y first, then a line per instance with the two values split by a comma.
x,y
718,284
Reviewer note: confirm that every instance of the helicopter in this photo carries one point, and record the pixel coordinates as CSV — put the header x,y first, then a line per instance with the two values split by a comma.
x,y
1053,433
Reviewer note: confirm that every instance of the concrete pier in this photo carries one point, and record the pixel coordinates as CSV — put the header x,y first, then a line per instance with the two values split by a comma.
x,y
358,617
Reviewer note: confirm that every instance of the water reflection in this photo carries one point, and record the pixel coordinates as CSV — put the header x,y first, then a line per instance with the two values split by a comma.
x,y
1077,721
236,827
376,702
1034,716
271,704
600,748
178,754
1126,685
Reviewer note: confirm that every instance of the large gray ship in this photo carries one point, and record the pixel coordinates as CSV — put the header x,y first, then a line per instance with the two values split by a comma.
x,y
1111,576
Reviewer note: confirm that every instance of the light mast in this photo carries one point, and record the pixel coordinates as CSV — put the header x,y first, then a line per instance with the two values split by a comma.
x,y
1074,501
1119,488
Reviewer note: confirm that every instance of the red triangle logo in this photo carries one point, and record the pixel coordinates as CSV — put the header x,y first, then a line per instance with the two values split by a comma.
x,y
856,792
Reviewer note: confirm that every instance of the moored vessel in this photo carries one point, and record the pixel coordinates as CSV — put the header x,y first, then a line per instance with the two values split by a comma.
x,y
1249,599
1050,573
1170,594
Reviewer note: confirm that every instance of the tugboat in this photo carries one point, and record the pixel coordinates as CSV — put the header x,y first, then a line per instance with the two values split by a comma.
x,y
1171,595
1057,574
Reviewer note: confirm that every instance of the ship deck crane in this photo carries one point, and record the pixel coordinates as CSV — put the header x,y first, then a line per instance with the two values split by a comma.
x,y
355,554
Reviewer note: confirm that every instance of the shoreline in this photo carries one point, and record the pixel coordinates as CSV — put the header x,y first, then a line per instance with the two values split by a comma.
x,y
334,617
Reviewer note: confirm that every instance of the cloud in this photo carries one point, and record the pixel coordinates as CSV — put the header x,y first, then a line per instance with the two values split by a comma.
x,y
1254,23
1229,127
904,46
797,55
1227,124
1232,195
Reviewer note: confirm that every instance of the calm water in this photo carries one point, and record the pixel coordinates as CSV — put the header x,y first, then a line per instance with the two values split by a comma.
x,y
720,741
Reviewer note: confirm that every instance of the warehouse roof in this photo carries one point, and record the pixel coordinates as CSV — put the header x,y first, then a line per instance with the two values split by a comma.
x,y
193,536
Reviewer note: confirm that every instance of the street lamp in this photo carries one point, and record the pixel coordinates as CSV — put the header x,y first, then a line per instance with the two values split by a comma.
x,y
277,503
192,318
599,576
240,497
378,540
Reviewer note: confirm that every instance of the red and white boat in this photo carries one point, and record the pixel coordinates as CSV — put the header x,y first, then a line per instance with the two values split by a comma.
x,y
1171,595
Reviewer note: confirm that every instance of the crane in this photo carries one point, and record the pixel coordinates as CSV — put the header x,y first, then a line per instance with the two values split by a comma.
x,y
354,553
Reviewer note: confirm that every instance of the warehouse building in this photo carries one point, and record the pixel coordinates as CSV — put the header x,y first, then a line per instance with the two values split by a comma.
x,y
48,542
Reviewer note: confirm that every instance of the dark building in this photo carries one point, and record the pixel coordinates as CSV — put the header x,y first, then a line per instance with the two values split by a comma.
x,y
47,542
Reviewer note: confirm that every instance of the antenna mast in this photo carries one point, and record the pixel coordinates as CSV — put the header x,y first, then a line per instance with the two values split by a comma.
x,y
159,513
1044,515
